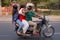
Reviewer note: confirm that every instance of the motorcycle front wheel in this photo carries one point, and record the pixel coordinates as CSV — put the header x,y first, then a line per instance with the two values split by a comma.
x,y
49,32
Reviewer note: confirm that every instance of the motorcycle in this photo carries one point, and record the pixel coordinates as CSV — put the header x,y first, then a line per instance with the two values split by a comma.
x,y
43,27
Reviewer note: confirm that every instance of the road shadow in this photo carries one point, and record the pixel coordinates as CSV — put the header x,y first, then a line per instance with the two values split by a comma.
x,y
35,38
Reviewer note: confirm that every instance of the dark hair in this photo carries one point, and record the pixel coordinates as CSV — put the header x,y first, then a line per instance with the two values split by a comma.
x,y
15,6
22,6
29,7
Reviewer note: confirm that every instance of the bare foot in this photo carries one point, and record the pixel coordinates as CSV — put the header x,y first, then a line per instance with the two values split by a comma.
x,y
19,33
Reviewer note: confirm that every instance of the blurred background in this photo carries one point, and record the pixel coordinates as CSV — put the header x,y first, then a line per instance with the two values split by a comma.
x,y
50,8
47,7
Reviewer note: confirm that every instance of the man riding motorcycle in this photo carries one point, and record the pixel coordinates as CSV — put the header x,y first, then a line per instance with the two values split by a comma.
x,y
29,14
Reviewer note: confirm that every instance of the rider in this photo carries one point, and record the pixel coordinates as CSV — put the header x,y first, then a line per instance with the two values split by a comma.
x,y
29,14
14,11
15,18
22,12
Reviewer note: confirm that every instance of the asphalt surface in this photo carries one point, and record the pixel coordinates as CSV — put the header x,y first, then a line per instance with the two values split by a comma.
x,y
7,32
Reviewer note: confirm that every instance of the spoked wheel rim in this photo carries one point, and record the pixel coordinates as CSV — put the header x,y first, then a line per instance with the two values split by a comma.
x,y
49,31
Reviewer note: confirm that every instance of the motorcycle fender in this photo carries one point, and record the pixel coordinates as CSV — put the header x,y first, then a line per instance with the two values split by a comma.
x,y
45,27
49,26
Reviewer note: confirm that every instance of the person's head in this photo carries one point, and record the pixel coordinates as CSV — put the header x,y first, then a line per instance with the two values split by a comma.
x,y
14,4
29,8
22,10
22,6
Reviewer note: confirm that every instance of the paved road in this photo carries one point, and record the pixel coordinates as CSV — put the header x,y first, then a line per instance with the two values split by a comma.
x,y
7,32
